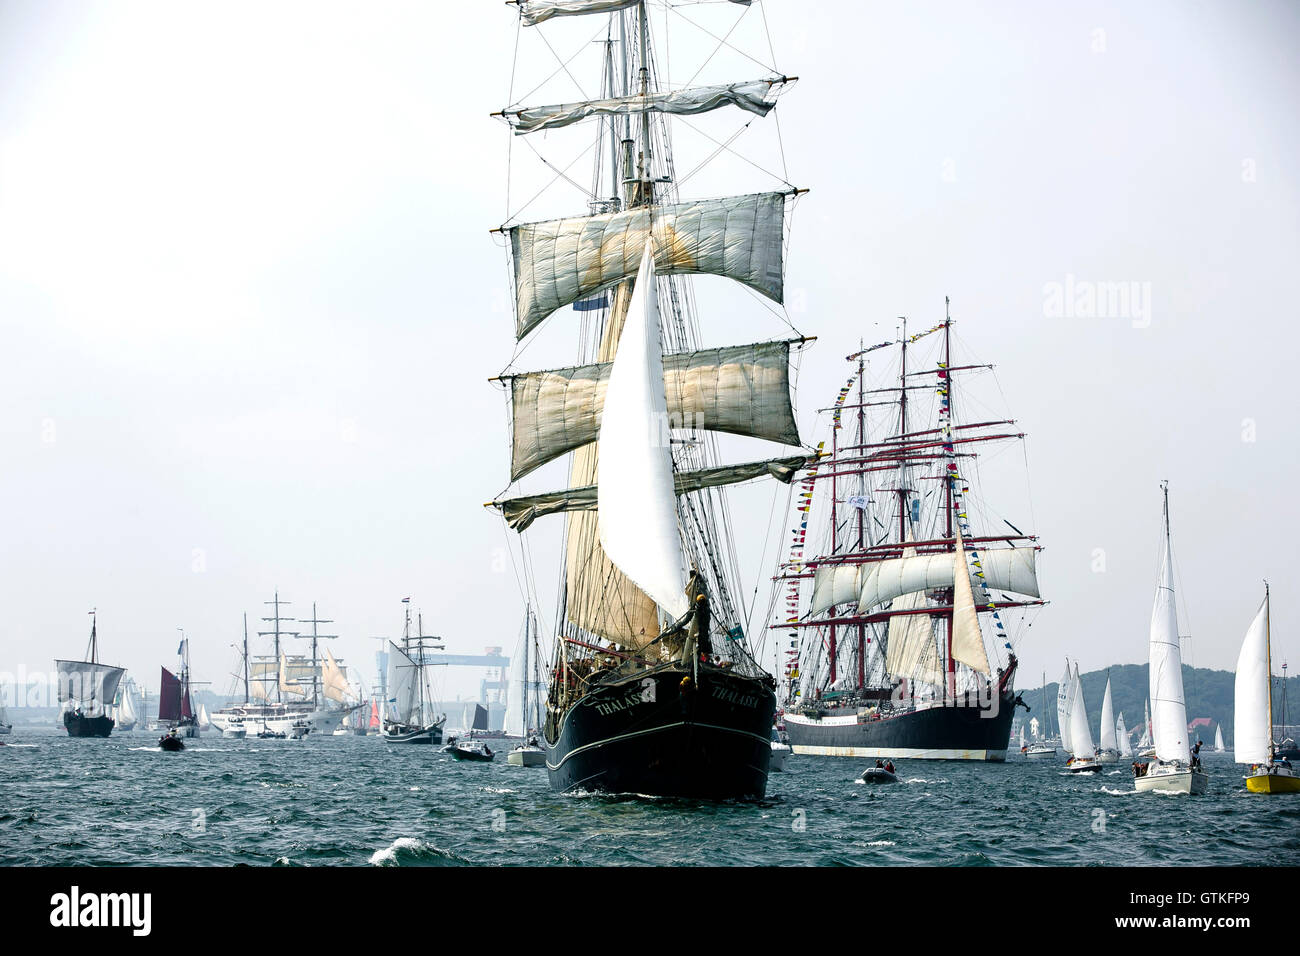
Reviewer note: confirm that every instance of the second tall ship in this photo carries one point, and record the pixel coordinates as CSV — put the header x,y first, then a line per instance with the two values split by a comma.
x,y
901,648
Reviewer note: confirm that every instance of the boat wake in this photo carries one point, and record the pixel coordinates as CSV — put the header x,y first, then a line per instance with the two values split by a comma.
x,y
409,851
1117,793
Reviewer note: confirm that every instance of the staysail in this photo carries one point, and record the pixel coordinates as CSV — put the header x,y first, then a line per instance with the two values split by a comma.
x,y
560,261
743,390
637,504
1252,720
334,685
967,639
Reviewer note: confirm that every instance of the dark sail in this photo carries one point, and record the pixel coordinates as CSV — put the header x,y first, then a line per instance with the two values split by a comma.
x,y
169,697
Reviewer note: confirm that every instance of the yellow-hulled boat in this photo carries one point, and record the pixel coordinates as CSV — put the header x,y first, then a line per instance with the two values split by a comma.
x,y
1273,780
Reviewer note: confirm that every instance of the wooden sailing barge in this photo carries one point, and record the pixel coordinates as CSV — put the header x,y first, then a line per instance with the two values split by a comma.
x,y
886,654
654,688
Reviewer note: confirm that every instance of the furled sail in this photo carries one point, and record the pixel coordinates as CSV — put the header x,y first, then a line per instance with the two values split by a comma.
x,y
744,390
1107,741
334,684
562,260
967,639
523,511
756,96
835,584
533,12
91,687
1253,736
1064,701
1080,733
635,493
1008,569
1168,707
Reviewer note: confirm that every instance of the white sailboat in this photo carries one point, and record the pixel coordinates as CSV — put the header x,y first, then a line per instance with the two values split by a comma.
x,y
1084,759
1122,737
5,726
1041,748
523,702
1064,701
1173,767
1253,715
1219,746
1109,748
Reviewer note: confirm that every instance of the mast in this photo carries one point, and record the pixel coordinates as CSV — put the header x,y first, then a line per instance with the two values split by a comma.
x,y
951,506
1268,658
94,644
246,698
276,634
862,511
315,659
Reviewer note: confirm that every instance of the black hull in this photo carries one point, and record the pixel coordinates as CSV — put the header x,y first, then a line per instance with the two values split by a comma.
x,y
171,744
82,726
965,732
650,735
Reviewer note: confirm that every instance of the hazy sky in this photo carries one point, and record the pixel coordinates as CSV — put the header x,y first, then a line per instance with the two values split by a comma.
x,y
249,302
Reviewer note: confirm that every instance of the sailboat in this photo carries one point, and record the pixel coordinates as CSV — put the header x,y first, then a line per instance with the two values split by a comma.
x,y
655,688
1084,755
1041,749
1122,736
893,656
1064,701
523,702
1219,745
5,727
411,719
175,706
87,689
1107,747
125,712
1173,767
1253,718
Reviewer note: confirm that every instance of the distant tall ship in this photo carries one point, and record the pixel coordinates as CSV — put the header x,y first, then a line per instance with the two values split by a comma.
x,y
902,649
411,719
654,687
175,707
87,689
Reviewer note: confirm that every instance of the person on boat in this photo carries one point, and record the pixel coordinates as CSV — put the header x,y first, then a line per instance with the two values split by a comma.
x,y
890,766
880,764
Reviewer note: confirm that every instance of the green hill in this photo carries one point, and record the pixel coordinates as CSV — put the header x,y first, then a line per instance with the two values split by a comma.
x,y
1209,694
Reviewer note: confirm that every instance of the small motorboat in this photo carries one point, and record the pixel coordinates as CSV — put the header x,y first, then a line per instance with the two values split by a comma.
x,y
879,775
780,750
527,755
472,750
299,730
1083,765
171,742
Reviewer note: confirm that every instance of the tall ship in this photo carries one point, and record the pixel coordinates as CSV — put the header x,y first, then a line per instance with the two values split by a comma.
x,y
87,689
410,715
894,613
654,687
284,693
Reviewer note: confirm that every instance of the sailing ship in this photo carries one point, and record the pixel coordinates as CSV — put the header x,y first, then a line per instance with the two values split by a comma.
x,y
525,700
1173,768
1107,746
175,707
411,719
1253,719
87,689
654,687
889,656
126,714
1083,757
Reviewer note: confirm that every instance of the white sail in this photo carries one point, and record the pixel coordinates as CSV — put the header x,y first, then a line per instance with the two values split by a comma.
x,y
1107,721
288,681
1145,741
1122,737
88,686
334,683
743,390
756,96
1007,569
1169,711
533,12
128,715
911,651
1064,702
521,512
1253,731
1219,745
1022,736
637,505
835,584
561,261
403,686
204,722
1080,733
967,639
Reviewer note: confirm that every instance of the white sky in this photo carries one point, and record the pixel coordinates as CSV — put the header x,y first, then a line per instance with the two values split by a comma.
x,y
249,303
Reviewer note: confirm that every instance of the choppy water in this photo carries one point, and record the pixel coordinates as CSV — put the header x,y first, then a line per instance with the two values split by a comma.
x,y
358,801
